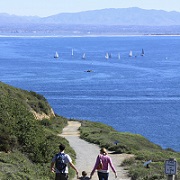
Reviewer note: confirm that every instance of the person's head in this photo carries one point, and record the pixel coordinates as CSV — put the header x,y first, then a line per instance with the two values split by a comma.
x,y
61,147
103,151
84,173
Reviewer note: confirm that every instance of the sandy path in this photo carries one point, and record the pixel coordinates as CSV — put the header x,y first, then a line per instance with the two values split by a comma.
x,y
87,153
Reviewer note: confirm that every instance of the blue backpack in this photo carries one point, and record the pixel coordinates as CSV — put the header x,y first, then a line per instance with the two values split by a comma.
x,y
60,163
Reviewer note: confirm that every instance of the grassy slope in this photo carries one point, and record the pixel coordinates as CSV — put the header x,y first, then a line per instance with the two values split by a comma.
x,y
26,144
143,149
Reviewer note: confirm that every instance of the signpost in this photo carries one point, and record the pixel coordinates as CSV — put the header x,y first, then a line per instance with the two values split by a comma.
x,y
171,168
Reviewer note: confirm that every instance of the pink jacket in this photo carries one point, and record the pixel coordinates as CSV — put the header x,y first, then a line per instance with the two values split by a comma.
x,y
106,160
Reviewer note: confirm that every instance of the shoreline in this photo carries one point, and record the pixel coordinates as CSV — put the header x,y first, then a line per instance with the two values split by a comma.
x,y
88,36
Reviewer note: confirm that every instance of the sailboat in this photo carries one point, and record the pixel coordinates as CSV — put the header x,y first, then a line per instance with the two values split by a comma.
x,y
72,53
130,54
142,53
84,56
56,55
107,56
119,56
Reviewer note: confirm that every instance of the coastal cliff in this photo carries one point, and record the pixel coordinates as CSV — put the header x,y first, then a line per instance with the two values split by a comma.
x,y
29,138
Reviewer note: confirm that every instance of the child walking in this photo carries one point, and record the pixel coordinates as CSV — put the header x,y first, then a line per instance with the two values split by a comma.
x,y
84,176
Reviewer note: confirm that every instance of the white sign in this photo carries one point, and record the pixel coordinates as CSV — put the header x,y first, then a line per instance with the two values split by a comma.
x,y
147,162
170,167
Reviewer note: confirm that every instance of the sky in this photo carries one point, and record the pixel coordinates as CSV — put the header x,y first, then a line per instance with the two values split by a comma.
x,y
44,8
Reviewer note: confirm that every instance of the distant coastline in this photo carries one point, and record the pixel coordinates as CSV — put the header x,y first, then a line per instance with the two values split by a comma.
x,y
110,22
81,36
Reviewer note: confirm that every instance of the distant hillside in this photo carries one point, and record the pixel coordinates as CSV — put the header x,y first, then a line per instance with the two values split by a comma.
x,y
121,16
98,22
6,19
124,16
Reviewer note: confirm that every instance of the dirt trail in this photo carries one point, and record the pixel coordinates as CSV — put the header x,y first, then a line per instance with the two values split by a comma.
x,y
87,153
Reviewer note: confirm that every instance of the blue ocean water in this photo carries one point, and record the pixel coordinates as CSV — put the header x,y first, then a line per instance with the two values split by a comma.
x,y
135,94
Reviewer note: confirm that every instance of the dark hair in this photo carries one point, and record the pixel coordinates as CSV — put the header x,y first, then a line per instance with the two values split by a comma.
x,y
62,147
84,173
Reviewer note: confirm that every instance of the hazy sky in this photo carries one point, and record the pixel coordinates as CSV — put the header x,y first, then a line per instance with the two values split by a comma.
x,y
45,8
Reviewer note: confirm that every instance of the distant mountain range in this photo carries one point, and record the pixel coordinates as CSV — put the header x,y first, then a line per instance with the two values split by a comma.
x,y
105,18
127,16
122,16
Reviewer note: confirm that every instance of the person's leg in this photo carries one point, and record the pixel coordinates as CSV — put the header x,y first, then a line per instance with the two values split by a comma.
x,y
105,176
100,176
60,176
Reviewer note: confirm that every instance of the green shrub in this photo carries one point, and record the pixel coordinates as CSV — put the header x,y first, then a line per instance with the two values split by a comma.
x,y
30,144
46,122
128,162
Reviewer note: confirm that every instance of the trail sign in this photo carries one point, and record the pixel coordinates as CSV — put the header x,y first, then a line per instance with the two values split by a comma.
x,y
170,167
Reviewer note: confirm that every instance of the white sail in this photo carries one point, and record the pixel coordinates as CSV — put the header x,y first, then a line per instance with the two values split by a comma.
x,y
130,54
72,53
107,56
119,56
84,56
56,55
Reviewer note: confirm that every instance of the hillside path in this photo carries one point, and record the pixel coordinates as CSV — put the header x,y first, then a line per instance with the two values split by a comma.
x,y
86,153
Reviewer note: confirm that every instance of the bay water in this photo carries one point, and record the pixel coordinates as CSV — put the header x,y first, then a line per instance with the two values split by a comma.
x,y
138,94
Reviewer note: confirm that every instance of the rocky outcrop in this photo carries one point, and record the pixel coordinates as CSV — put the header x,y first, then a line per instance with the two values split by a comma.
x,y
40,116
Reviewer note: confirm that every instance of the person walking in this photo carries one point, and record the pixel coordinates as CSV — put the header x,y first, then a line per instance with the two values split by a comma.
x,y
103,161
84,176
59,164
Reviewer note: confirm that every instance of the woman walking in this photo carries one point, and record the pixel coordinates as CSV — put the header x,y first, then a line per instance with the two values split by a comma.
x,y
102,163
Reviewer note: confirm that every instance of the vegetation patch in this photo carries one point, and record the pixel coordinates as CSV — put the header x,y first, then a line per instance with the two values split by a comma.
x,y
142,149
27,145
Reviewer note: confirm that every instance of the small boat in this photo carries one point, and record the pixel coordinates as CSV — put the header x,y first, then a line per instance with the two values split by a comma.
x,y
72,53
56,55
130,54
142,53
84,56
107,56
89,70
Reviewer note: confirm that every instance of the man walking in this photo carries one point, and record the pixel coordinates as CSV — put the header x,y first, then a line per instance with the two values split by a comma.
x,y
60,163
